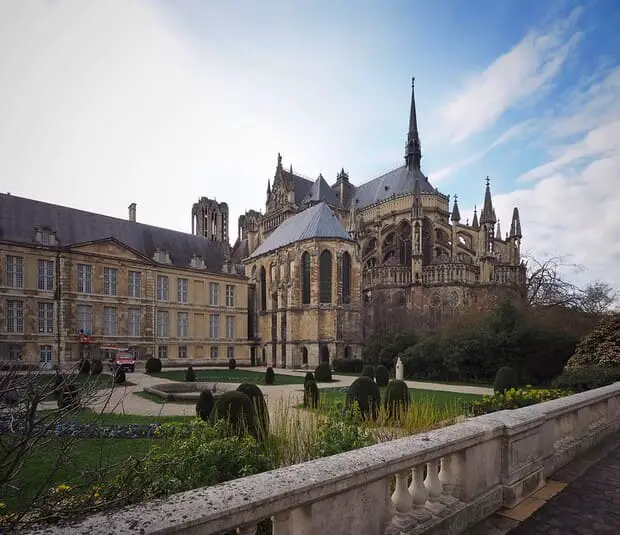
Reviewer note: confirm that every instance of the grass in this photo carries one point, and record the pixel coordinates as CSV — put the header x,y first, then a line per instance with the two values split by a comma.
x,y
430,381
231,376
89,383
87,416
161,401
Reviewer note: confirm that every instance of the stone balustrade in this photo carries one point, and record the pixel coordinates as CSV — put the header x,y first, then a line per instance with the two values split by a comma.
x,y
450,273
509,274
386,276
442,481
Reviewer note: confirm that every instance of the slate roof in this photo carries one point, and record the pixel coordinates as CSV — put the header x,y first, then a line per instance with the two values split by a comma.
x,y
19,217
318,221
396,182
321,192
301,185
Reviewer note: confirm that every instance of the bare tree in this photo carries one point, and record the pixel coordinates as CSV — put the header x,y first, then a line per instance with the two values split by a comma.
x,y
598,298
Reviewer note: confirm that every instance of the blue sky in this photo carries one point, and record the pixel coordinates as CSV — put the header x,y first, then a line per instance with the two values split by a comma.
x,y
161,102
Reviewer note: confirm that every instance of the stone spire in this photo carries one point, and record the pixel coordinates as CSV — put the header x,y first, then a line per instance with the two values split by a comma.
x,y
456,215
268,188
498,232
413,149
279,162
416,201
474,223
488,213
515,226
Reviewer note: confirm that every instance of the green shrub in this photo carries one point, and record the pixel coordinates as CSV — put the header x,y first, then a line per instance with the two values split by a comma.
x,y
270,376
382,375
119,376
311,395
365,392
586,378
342,432
259,406
323,373
84,366
396,398
506,379
348,365
190,376
153,365
204,405
309,377
368,371
236,409
97,367
232,364
512,399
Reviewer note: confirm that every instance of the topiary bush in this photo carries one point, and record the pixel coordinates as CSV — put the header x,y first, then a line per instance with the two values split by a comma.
x,y
204,405
586,378
190,376
69,396
365,392
311,395
232,364
505,379
152,365
270,376
323,373
396,398
119,376
348,365
84,366
309,377
236,409
368,371
260,416
96,367
382,375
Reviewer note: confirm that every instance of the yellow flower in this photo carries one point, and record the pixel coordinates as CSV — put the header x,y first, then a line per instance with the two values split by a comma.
x,y
2,505
62,488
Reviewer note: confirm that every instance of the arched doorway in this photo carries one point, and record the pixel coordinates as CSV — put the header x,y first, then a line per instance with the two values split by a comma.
x,y
347,352
304,356
324,354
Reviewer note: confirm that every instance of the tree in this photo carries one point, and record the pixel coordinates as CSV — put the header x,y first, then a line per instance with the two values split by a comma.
x,y
598,298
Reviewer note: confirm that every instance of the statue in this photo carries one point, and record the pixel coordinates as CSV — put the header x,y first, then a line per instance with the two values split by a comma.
x,y
399,369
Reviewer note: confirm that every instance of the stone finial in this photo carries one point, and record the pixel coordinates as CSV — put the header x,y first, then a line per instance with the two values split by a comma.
x,y
399,369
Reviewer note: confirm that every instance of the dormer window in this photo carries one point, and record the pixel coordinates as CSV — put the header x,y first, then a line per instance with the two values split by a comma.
x,y
162,257
44,236
197,262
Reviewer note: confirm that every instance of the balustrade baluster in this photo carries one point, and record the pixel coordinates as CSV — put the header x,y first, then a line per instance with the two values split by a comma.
x,y
280,525
433,486
246,530
419,494
447,480
402,500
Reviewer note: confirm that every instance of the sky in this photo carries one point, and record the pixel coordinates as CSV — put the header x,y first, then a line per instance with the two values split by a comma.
x,y
105,103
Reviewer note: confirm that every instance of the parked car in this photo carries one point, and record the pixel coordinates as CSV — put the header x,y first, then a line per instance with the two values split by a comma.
x,y
123,361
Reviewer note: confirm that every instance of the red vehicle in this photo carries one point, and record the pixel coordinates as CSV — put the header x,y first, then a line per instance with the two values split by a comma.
x,y
122,360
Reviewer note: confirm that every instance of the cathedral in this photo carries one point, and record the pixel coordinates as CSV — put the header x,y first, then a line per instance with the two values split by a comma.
x,y
327,264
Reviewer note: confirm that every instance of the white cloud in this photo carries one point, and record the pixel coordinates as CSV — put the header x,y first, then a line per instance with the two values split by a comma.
x,y
522,72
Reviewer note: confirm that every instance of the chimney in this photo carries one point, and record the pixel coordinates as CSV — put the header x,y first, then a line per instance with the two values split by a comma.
x,y
132,212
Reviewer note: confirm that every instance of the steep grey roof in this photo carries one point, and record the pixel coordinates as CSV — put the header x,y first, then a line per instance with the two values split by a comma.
x,y
396,182
318,221
301,185
20,216
321,192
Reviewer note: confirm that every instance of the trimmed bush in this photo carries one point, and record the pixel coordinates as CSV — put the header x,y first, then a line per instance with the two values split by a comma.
x,y
348,365
368,371
69,397
260,416
58,382
119,376
323,373
311,395
232,364
190,376
505,379
396,398
97,367
84,366
309,377
382,375
365,392
204,405
270,376
236,409
586,378
153,365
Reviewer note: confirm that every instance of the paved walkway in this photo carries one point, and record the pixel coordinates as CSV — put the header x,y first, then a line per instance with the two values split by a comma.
x,y
124,400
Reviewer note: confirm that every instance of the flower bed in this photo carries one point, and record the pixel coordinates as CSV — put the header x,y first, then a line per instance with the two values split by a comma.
x,y
513,399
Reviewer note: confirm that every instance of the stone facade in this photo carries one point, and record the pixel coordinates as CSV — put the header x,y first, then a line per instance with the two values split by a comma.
x,y
111,296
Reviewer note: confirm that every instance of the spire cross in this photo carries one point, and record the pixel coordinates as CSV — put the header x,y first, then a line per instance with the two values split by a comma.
x,y
488,181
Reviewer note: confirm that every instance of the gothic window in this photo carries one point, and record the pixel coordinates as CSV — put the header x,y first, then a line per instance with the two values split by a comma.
x,y
305,278
263,289
325,277
404,244
346,278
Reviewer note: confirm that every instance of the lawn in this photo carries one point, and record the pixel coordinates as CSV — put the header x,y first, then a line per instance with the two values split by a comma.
x,y
161,401
231,376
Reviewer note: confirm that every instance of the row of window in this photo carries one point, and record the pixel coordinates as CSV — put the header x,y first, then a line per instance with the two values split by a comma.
x,y
162,352
45,281
325,279
163,317
15,317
